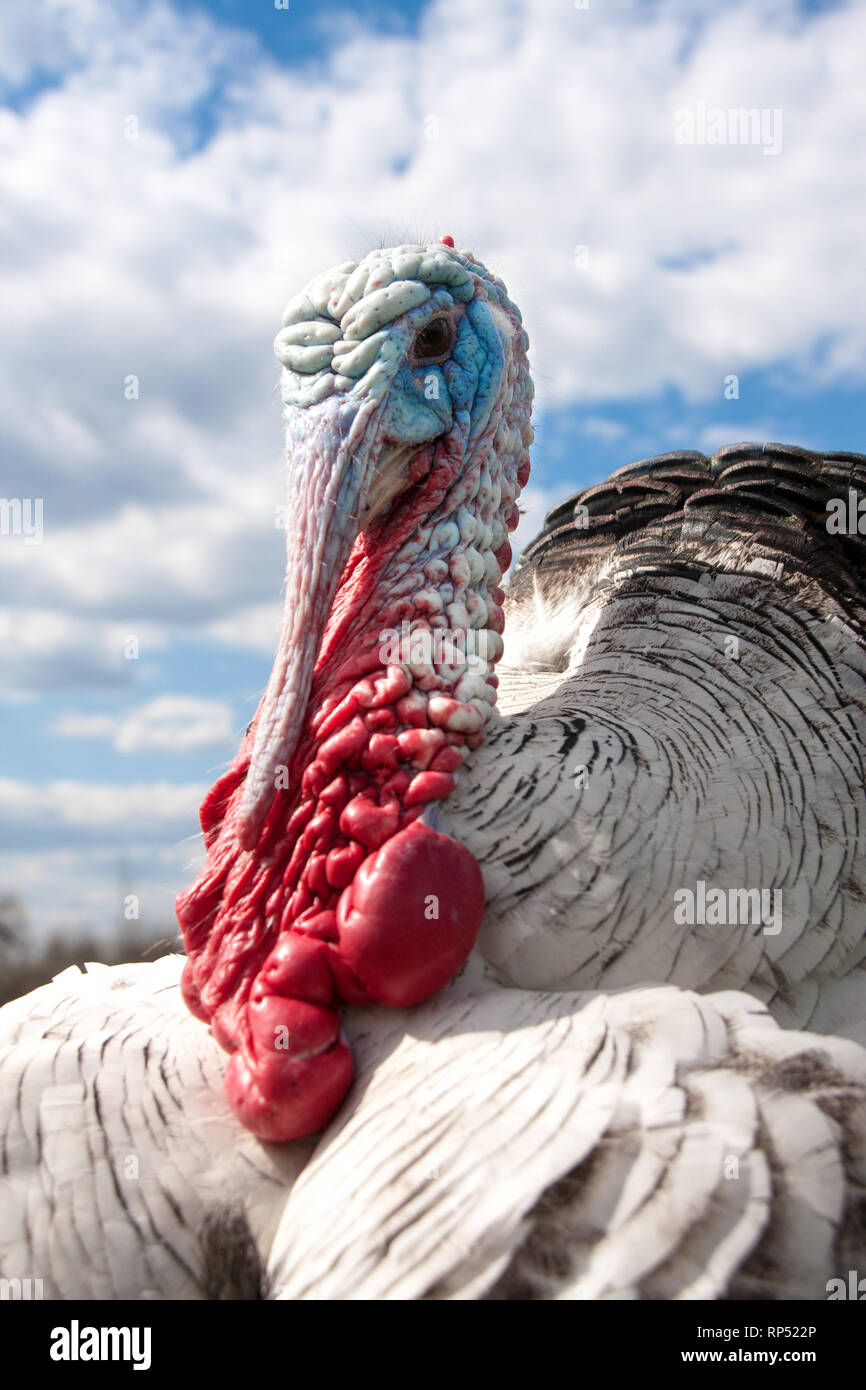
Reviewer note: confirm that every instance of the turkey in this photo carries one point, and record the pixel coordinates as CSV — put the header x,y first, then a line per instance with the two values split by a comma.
x,y
524,968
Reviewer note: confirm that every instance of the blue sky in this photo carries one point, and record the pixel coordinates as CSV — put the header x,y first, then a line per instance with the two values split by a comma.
x,y
171,173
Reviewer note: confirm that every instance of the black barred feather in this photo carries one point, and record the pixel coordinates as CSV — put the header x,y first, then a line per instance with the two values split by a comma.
x,y
687,505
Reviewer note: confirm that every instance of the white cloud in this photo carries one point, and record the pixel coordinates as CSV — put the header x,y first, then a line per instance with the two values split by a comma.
x,y
553,129
257,627
600,427
142,807
74,850
157,563
718,433
46,649
175,723
85,726
86,888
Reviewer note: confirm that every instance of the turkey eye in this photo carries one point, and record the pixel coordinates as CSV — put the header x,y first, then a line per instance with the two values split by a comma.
x,y
433,343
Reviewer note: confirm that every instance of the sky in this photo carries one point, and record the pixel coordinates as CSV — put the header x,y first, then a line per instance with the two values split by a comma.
x,y
170,174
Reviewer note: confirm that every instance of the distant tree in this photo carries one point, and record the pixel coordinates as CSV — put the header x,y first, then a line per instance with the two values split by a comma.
x,y
13,921
28,960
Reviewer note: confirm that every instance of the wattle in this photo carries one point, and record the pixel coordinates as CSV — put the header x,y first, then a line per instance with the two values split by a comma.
x,y
326,881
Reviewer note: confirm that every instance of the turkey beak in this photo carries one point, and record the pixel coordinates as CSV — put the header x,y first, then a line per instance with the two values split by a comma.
x,y
330,470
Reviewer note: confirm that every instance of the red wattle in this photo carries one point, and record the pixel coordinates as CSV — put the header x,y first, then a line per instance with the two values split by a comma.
x,y
410,918
347,897
298,965
347,984
298,1099
190,993
293,1070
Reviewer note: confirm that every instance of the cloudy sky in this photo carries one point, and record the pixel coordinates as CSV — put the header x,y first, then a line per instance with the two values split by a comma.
x,y
171,173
